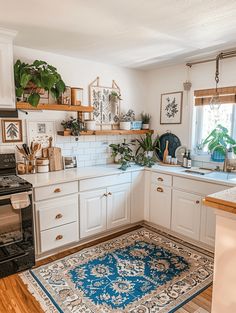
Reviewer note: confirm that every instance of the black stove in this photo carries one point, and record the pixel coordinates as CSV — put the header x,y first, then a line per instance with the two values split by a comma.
x,y
16,224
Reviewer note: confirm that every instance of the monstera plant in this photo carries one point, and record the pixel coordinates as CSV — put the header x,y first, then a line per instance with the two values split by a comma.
x,y
36,77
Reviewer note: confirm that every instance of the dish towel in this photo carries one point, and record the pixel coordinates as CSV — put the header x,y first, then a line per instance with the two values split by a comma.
x,y
20,200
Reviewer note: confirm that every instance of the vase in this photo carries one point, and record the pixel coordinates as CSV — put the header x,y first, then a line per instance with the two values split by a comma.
x,y
125,125
90,124
145,126
148,154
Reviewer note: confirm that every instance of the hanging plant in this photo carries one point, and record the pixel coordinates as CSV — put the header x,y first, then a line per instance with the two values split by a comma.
x,y
35,77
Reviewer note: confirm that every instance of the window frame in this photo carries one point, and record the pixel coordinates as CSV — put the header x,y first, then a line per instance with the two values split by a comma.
x,y
198,116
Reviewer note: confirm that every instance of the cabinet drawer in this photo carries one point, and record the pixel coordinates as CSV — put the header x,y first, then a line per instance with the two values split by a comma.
x,y
195,186
161,179
59,236
100,182
57,212
53,191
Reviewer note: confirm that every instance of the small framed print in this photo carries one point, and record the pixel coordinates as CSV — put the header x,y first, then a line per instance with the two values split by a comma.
x,y
40,132
171,108
11,131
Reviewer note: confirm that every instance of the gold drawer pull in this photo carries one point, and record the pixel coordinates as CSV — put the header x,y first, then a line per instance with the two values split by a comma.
x,y
58,216
59,237
105,195
109,193
57,190
160,179
159,189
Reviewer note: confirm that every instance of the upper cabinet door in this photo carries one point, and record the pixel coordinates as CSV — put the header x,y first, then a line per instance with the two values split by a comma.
x,y
118,205
7,85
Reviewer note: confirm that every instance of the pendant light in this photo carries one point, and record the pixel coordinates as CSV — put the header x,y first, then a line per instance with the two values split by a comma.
x,y
215,102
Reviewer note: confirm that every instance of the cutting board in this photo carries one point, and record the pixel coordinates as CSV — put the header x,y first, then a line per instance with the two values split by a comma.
x,y
55,159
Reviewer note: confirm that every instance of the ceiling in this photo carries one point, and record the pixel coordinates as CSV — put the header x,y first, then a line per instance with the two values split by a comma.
x,y
140,34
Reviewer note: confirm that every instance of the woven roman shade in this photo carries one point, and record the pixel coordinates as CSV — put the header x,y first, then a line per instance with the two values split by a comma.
x,y
226,95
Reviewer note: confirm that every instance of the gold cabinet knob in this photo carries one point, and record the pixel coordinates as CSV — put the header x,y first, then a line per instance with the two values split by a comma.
x,y
160,179
197,201
59,237
159,189
57,190
109,193
105,195
58,216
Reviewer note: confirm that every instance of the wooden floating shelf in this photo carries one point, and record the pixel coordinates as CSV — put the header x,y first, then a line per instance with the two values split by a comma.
x,y
110,132
54,107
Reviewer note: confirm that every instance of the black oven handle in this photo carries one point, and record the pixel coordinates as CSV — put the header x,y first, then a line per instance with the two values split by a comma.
x,y
9,196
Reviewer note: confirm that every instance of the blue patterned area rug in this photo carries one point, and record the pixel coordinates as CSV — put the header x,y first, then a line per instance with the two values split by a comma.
x,y
142,271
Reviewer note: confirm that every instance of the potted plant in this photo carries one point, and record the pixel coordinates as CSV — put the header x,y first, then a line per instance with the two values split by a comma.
x,y
145,120
126,119
36,77
217,142
114,97
122,154
147,145
73,126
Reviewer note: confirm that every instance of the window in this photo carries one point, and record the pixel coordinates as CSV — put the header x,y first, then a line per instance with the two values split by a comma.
x,y
207,119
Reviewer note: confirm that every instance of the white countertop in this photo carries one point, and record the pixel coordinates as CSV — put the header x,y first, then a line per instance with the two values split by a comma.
x,y
44,179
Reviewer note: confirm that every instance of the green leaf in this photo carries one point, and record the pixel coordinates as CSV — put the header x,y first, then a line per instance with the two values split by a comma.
x,y
34,99
60,85
19,92
25,78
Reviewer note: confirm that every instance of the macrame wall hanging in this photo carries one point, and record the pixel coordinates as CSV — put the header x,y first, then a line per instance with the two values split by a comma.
x,y
106,104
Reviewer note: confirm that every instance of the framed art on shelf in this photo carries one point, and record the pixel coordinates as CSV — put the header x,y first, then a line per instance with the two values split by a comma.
x,y
171,108
42,132
11,131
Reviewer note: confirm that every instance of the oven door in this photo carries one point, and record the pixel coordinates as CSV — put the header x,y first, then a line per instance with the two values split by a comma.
x,y
16,229
10,222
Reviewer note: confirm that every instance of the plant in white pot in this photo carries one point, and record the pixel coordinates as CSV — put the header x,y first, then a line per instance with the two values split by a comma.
x,y
122,154
145,120
145,152
126,119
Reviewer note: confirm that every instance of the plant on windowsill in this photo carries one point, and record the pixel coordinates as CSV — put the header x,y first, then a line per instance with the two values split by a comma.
x,y
122,154
145,152
73,126
36,78
217,142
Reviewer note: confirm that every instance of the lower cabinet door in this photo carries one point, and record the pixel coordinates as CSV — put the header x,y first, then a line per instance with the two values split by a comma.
x,y
208,225
160,205
118,205
92,212
186,214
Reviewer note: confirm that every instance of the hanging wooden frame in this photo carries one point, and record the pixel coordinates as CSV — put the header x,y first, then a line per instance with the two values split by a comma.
x,y
106,112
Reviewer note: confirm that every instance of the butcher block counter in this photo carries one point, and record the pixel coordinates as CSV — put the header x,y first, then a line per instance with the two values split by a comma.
x,y
224,200
224,283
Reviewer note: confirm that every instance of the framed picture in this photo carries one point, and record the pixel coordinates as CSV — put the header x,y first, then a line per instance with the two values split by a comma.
x,y
41,132
11,131
171,108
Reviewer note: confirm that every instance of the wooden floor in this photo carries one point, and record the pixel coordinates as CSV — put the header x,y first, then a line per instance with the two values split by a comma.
x,y
15,298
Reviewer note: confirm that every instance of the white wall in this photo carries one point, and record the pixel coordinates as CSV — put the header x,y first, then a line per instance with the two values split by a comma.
x,y
80,73
171,79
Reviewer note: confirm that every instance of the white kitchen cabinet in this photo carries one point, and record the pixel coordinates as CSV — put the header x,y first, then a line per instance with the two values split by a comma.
x,y
137,196
7,89
160,205
208,225
118,205
93,206
186,214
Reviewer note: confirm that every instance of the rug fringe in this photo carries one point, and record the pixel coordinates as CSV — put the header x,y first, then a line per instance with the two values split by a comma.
x,y
45,303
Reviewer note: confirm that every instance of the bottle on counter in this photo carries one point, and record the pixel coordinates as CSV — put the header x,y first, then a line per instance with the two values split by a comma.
x,y
185,159
189,160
